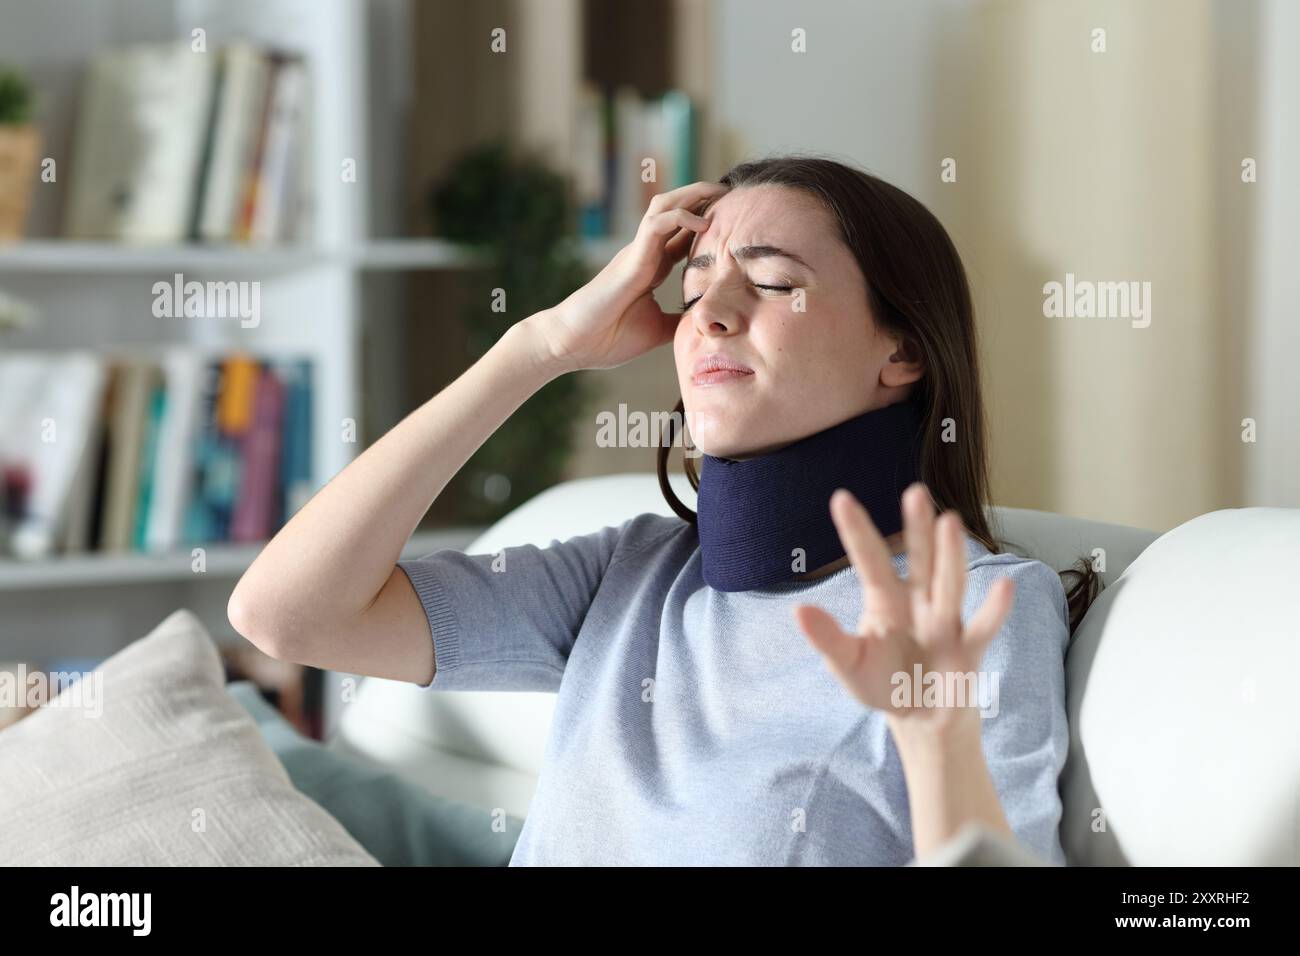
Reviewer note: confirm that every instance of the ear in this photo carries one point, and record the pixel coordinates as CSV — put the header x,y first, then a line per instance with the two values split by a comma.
x,y
904,365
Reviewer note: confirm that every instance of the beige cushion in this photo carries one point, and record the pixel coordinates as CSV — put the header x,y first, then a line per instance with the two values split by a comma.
x,y
170,750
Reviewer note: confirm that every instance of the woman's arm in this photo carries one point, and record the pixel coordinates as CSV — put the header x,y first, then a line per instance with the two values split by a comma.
x,y
916,627
948,781
326,590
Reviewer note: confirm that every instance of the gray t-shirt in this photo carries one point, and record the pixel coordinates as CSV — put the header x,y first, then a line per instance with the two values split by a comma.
x,y
699,727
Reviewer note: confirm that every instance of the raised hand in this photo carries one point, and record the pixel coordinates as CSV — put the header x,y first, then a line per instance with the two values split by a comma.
x,y
908,622
614,317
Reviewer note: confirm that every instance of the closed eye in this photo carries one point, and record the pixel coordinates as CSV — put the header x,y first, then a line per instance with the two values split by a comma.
x,y
770,288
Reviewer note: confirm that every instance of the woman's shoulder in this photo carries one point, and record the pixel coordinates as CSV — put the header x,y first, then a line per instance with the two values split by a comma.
x,y
649,532
1039,594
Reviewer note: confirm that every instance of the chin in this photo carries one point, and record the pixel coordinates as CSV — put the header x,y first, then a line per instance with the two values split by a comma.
x,y
722,436
729,422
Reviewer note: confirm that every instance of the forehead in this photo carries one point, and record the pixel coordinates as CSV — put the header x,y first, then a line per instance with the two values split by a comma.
x,y
779,216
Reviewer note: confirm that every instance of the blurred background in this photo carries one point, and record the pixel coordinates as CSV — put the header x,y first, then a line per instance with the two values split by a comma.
x,y
239,240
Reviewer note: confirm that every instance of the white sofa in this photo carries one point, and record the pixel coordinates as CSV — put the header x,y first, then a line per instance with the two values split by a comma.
x,y
1183,747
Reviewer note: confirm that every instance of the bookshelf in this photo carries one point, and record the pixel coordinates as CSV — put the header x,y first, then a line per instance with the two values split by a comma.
x,y
315,290
72,257
225,562
336,295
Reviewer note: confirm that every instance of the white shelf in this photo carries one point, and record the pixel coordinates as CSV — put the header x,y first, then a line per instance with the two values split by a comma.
x,y
400,254
104,258
224,561
403,254
66,256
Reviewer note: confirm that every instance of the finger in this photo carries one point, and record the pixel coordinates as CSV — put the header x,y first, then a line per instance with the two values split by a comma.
x,y
679,245
843,651
985,623
685,237
663,224
687,195
678,227
949,573
918,534
674,251
870,555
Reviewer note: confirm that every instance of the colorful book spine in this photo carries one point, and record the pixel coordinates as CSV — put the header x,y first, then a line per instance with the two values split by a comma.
x,y
296,464
127,426
234,418
259,477
200,526
679,135
254,182
159,455
149,452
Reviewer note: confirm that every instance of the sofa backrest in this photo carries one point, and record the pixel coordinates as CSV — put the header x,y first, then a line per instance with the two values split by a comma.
x,y
1183,741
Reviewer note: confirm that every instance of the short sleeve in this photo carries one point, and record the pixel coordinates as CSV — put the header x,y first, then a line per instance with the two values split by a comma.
x,y
1025,731
507,621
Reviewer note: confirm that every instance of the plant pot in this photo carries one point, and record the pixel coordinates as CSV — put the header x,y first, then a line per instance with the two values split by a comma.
x,y
20,148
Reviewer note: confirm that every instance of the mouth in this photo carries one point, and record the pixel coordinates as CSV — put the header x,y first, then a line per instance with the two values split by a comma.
x,y
718,369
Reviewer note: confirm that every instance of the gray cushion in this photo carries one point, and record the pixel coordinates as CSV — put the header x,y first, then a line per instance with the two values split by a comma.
x,y
399,823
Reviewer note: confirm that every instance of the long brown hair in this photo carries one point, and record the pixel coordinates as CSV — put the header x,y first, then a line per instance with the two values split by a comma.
x,y
917,289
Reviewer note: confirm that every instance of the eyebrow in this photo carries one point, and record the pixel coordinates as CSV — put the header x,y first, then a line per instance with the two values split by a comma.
x,y
746,252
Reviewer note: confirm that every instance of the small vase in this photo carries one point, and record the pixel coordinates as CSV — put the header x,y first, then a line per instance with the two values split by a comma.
x,y
20,148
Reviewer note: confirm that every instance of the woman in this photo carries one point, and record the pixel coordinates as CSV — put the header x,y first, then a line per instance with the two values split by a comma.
x,y
789,677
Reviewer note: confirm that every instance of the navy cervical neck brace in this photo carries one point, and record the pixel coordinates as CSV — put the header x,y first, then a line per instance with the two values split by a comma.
x,y
754,514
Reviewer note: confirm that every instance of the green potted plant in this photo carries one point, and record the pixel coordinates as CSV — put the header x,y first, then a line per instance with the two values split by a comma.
x,y
518,214
20,146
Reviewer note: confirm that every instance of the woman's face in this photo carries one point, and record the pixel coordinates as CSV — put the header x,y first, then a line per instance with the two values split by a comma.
x,y
814,360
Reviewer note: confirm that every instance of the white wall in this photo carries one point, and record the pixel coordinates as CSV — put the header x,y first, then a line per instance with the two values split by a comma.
x,y
1118,166
864,89
1272,474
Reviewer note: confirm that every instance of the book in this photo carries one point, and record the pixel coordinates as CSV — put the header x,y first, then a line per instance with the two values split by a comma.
x,y
296,469
615,134
182,375
237,123
260,454
133,385
677,146
626,204
272,212
153,452
234,420
48,403
252,184
590,164
173,144
200,524
79,528
139,143
148,462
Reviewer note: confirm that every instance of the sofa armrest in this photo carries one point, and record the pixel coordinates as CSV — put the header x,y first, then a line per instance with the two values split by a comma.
x,y
977,845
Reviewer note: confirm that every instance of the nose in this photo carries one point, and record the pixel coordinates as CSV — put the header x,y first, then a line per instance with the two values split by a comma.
x,y
714,314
